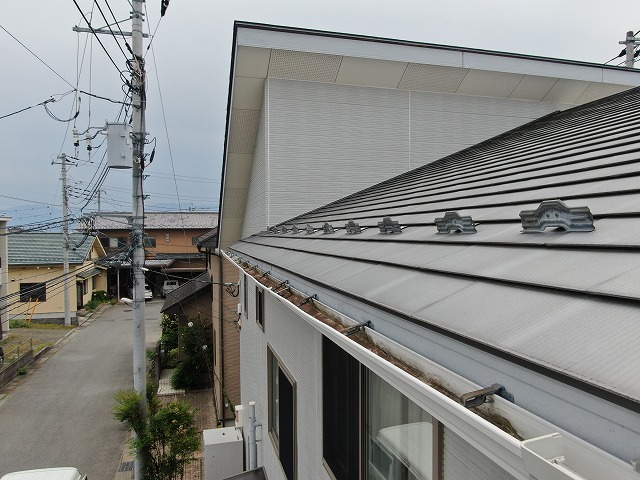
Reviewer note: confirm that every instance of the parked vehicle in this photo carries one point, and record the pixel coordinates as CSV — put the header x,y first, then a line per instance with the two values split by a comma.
x,y
60,473
169,286
148,294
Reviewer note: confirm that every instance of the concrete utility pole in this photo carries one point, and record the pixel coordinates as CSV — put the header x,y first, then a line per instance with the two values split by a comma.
x,y
65,237
137,221
630,43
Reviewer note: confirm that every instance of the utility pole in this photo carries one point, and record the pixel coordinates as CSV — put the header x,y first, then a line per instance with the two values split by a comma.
x,y
630,43
137,220
65,239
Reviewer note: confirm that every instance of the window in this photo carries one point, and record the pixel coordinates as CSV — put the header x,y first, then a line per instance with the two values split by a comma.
x,y
340,406
260,307
399,435
167,238
150,242
85,286
122,242
282,414
370,429
30,292
113,242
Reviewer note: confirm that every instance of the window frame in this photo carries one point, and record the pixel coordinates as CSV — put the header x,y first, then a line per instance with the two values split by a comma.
x,y
245,296
277,373
260,316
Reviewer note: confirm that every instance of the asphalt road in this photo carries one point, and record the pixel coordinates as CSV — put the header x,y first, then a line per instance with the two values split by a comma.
x,y
61,415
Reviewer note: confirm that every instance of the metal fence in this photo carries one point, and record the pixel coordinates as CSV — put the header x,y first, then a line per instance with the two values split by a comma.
x,y
16,353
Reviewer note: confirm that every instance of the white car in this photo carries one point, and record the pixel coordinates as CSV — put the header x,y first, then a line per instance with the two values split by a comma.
x,y
148,293
61,473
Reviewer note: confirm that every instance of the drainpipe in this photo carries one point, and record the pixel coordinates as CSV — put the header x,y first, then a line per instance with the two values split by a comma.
x,y
253,443
221,339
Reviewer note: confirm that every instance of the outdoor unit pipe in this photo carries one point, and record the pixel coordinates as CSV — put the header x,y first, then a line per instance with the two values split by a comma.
x,y
253,443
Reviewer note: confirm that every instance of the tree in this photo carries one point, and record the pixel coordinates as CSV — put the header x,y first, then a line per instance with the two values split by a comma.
x,y
169,439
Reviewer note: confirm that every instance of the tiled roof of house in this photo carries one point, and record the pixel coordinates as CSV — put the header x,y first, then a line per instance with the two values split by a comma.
x,y
158,220
47,248
565,303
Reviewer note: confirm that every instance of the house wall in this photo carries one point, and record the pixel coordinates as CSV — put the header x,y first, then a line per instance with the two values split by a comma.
x,y
298,346
4,276
318,142
53,307
180,241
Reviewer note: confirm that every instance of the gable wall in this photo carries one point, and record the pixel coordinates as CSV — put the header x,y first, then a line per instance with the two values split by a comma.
x,y
318,142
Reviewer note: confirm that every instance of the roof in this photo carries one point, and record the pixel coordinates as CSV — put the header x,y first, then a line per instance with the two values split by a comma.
x,y
47,248
157,220
255,474
209,239
185,292
262,52
561,303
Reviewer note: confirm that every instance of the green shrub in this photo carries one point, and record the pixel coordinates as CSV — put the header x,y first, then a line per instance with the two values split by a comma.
x,y
167,442
23,371
100,296
170,359
19,323
196,370
169,336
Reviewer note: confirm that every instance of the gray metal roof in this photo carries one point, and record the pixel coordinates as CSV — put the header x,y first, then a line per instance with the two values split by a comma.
x,y
182,294
568,302
158,220
47,248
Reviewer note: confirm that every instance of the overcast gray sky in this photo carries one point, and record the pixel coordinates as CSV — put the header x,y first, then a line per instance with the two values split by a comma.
x,y
188,75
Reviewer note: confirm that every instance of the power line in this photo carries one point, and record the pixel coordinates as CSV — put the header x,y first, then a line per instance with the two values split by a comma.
x,y
42,61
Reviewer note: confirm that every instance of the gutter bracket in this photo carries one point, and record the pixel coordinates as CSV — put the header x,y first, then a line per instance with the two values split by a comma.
x,y
478,397
306,300
356,328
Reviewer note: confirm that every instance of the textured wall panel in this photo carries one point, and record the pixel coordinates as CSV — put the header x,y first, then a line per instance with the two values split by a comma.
x,y
463,462
326,141
444,124
298,347
255,218
243,121
315,67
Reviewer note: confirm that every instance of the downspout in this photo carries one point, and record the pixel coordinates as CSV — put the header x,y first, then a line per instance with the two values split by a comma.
x,y
221,340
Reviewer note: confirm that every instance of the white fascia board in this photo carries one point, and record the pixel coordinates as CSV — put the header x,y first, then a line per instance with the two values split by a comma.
x,y
499,446
434,55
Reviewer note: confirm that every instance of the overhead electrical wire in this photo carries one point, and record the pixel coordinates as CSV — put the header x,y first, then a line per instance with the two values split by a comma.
x,y
32,53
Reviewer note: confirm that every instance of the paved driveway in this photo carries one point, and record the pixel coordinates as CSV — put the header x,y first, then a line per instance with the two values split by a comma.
x,y
61,415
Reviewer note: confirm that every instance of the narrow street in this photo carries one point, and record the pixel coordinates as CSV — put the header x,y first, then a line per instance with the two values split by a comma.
x,y
61,415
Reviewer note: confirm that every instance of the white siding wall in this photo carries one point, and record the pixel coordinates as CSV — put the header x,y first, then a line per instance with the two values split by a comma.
x,y
318,142
299,348
256,209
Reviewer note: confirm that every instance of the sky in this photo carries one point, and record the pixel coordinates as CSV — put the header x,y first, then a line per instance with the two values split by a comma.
x,y
188,78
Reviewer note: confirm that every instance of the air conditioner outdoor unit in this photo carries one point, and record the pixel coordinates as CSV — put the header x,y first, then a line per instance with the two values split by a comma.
x,y
223,453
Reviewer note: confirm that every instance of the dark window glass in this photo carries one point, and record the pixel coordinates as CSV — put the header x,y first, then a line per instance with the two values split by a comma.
x,y
150,242
282,415
30,292
340,411
260,307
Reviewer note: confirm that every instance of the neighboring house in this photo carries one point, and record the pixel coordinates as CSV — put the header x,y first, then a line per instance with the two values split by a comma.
x,y
36,274
357,345
170,246
4,276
